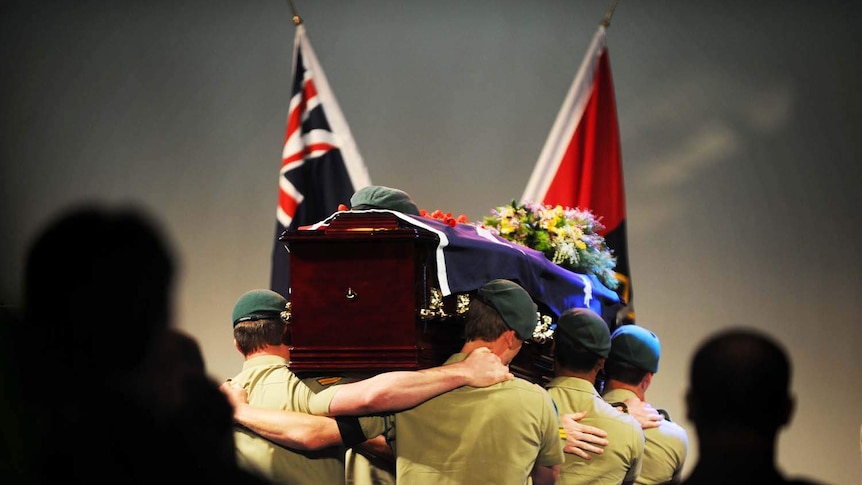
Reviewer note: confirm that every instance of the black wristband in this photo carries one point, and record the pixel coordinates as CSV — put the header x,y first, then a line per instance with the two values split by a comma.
x,y
351,431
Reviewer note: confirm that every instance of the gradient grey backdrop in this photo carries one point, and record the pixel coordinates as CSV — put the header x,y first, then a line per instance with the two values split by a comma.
x,y
740,126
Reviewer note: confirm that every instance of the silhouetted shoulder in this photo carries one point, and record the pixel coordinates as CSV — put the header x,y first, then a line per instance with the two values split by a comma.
x,y
804,481
754,478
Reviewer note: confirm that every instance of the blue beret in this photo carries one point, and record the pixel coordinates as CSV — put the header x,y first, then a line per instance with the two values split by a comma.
x,y
636,346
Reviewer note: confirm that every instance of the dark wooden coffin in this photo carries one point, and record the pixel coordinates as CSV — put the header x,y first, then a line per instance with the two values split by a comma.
x,y
358,288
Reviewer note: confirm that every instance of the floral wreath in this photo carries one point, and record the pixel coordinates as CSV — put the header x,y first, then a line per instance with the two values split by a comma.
x,y
569,237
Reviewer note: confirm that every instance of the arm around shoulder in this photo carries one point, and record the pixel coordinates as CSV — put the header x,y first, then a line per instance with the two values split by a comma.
x,y
292,429
394,391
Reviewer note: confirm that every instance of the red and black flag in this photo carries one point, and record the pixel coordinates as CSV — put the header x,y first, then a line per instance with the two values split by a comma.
x,y
581,162
321,166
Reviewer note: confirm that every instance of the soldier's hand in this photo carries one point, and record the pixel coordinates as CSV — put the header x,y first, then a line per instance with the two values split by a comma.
x,y
235,394
644,412
582,439
485,368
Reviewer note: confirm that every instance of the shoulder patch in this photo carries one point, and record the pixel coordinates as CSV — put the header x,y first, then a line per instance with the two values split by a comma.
x,y
328,381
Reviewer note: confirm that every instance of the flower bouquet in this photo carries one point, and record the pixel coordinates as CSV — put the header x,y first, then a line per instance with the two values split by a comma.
x,y
568,237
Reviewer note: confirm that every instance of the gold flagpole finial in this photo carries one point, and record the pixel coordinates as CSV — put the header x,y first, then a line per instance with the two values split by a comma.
x,y
296,18
606,22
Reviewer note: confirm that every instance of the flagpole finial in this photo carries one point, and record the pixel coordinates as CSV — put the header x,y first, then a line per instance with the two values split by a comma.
x,y
297,20
606,22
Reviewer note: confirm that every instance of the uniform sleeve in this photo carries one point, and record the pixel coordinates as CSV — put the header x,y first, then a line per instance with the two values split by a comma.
x,y
638,443
300,394
319,403
551,452
680,450
374,426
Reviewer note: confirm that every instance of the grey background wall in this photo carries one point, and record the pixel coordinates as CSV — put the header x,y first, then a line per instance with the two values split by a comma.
x,y
740,126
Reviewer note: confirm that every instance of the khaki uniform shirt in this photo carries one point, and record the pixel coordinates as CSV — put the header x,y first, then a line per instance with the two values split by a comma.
x,y
491,435
359,470
665,449
621,460
272,385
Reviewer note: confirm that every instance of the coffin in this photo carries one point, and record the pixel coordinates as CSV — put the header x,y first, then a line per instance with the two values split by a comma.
x,y
378,290
356,286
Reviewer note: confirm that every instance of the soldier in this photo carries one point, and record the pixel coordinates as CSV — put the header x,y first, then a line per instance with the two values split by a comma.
x,y
581,345
629,370
506,433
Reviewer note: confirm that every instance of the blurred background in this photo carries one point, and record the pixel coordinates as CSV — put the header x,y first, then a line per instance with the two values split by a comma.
x,y
740,129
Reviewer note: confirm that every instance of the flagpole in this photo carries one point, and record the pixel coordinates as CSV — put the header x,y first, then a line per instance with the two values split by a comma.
x,y
606,22
297,20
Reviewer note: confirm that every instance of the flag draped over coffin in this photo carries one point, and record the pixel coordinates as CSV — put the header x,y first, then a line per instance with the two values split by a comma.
x,y
469,256
321,166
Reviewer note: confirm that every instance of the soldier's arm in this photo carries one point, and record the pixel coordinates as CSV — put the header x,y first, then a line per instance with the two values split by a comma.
x,y
393,391
299,431
378,451
582,439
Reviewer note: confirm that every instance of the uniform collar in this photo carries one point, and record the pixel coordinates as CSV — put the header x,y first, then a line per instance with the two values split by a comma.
x,y
264,361
575,384
619,395
455,358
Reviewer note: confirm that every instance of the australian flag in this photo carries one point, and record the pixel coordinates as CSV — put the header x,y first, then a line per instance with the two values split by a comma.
x,y
321,166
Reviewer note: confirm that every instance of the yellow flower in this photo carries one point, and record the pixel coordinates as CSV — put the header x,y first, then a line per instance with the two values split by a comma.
x,y
568,237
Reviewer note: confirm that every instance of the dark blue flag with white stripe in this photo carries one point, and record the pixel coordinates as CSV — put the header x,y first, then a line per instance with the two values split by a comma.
x,y
468,256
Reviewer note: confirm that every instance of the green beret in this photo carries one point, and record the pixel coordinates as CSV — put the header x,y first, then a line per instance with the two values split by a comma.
x,y
586,328
257,305
514,305
637,346
380,197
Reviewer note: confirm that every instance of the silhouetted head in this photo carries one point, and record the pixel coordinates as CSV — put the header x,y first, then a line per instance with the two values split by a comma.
x,y
98,283
740,379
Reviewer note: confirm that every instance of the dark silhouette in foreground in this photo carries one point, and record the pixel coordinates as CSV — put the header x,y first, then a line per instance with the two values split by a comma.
x,y
739,399
109,392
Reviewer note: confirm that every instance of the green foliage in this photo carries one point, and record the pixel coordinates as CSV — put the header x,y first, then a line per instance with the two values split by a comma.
x,y
568,237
